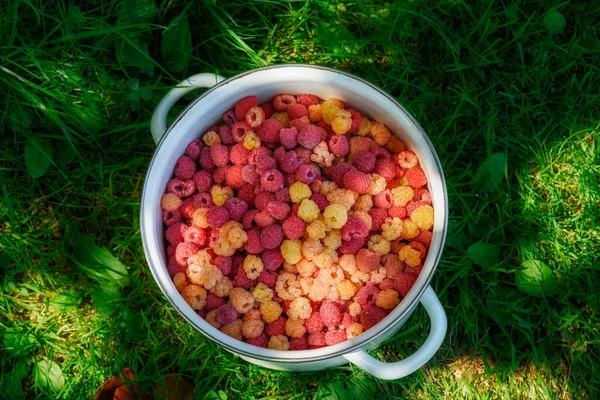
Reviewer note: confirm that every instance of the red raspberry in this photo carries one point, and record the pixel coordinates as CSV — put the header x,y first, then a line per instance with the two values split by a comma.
x,y
173,267
356,117
278,210
300,123
315,305
243,105
174,233
295,208
297,111
288,137
217,216
359,144
171,250
248,220
424,238
249,174
316,185
268,108
371,315
242,280
306,174
225,135
415,178
238,154
233,176
183,251
205,160
293,227
413,205
193,149
271,236
264,219
367,261
203,181
246,193
181,188
170,217
255,117
268,278
276,327
269,130
352,246
403,283
364,162
338,145
380,153
261,341
320,200
366,295
195,235
283,196
229,117
286,306
384,199
346,321
393,266
271,180
357,181
185,168
238,131
385,168
387,284
272,259
213,302
303,154
224,264
335,336
330,314
265,163
187,208
314,324
311,136
254,246
290,163
422,194
262,200
414,271
298,343
213,235
281,102
219,175
419,247
307,99
226,314
399,212
219,154
316,340
236,207
236,262
203,200
354,228
337,173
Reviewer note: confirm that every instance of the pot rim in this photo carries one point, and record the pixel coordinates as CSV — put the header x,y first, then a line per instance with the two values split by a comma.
x,y
302,356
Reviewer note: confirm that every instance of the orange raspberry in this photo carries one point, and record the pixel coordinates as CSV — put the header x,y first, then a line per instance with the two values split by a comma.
x,y
294,328
270,311
387,299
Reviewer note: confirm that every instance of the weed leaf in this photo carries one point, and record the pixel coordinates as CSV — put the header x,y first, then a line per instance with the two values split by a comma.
x,y
555,22
484,254
536,279
67,299
21,368
38,156
18,343
176,46
490,173
134,51
48,375
99,263
106,300
136,12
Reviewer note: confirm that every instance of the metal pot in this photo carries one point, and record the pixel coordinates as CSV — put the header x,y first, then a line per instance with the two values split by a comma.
x,y
266,82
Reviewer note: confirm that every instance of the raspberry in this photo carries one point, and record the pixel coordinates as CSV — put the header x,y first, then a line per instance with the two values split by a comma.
x,y
330,314
239,131
397,212
364,127
360,145
260,341
294,328
314,324
203,181
297,111
404,282
223,264
316,340
171,217
199,217
245,104
410,256
288,137
170,202
211,138
356,118
220,194
249,175
271,180
316,229
210,318
217,216
392,228
315,113
195,236
205,159
308,210
307,99
264,219
282,118
234,177
306,174
320,200
386,169
425,238
409,229
195,296
406,159
278,210
173,266
262,200
253,328
299,343
187,208
264,162
366,295
311,248
338,145
193,149
417,246
246,193
278,342
346,289
364,162
255,117
233,330
354,330
381,134
300,123
271,314
378,184
238,154
342,122
413,205
415,177
236,207
271,236
378,244
306,268
299,191
371,315
181,188
252,314
387,299
291,251
267,278
422,194
226,314
364,203
229,117
251,141
329,110
293,227
357,181
423,217
225,135
254,246
335,336
338,172
174,233
333,240
269,131
281,102
283,196
395,145
289,162
241,299
303,154
286,306
354,228
311,136
352,246
183,251
185,168
219,175
402,195
335,216
367,261
344,197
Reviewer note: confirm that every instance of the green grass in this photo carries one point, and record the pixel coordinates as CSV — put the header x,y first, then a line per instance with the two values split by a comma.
x,y
482,77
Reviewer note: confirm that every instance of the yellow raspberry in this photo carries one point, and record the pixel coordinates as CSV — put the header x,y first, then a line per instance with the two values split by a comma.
x,y
323,260
241,299
219,194
332,275
327,187
387,299
337,102
348,263
291,251
380,245
423,217
170,202
315,113
322,156
364,203
366,217
201,258
392,228
237,237
282,118
262,293
354,309
341,122
211,276
332,254
294,328
270,311
378,184
410,256
329,111
311,248
279,342
251,141
210,318
223,247
306,268
252,328
316,229
409,229
378,275
288,286
308,210
199,218
364,127
233,329
194,273
346,289
180,281
319,291
333,240
253,266
291,268
223,288
360,277
345,197
300,308
299,191
195,296
306,282
211,138
402,195
354,330
381,134
335,216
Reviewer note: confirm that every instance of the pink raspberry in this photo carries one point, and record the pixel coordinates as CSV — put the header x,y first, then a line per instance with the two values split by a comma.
x,y
193,149
229,117
171,250
224,264
366,295
268,108
233,176
415,177
272,259
288,180
196,236
269,131
246,193
271,236
203,181
320,200
303,154
300,123
276,327
205,160
213,302
226,314
264,219
330,314
297,111
311,136
424,238
255,117
217,216
174,233
335,336
187,208
278,210
261,341
181,188
298,343
288,137
378,216
337,173
173,267
367,261
352,246
290,163
357,181
185,168
314,324
384,199
225,135
399,212
256,154
254,246
279,153
219,175
364,162
236,262
219,154
356,117
359,144
248,220
316,340
262,199
203,200
238,154
170,217
307,99
422,194
338,145
306,174
371,315
281,102
243,105
293,227
380,153
354,228
236,207
346,321
413,205
386,168
271,180
316,185
238,131
387,284
249,174
184,251
241,280
265,163
268,278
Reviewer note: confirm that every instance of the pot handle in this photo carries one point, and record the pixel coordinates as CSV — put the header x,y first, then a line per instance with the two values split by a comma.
x,y
158,126
396,370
